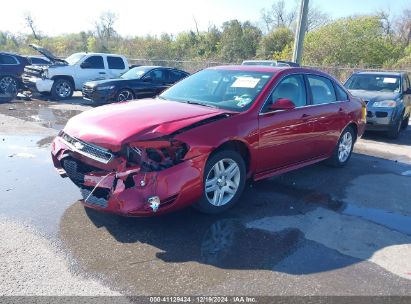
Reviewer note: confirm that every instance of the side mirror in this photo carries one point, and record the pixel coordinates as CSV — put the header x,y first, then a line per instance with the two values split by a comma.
x,y
85,65
282,104
408,91
148,79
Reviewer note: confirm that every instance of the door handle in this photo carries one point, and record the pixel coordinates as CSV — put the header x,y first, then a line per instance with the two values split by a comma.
x,y
102,72
305,115
340,109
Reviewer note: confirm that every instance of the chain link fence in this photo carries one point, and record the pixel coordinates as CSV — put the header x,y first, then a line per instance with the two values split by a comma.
x,y
191,66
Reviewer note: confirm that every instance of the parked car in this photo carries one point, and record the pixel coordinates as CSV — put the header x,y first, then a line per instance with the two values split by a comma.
x,y
388,99
11,68
39,60
275,63
139,82
67,75
200,140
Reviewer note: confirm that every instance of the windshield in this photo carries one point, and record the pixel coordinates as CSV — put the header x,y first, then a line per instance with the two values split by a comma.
x,y
225,89
135,73
73,59
380,83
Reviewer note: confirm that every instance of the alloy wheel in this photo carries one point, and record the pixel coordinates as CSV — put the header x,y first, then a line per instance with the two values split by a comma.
x,y
222,182
63,89
125,95
345,147
8,84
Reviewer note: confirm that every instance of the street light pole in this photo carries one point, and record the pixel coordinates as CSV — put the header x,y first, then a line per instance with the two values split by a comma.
x,y
300,31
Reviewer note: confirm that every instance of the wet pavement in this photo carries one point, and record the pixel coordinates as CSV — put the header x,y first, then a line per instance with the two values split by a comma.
x,y
314,231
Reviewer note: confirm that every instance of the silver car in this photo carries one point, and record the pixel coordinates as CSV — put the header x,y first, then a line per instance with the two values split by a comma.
x,y
388,99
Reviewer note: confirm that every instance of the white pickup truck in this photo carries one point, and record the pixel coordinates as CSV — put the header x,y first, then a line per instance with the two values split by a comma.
x,y
64,77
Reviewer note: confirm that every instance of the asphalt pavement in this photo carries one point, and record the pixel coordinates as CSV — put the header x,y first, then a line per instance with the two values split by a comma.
x,y
314,231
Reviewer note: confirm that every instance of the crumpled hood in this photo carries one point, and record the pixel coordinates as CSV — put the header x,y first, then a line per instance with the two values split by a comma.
x,y
46,53
113,125
374,96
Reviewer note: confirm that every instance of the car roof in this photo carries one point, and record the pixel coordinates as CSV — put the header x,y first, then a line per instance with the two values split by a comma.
x,y
10,53
266,68
393,73
99,54
251,68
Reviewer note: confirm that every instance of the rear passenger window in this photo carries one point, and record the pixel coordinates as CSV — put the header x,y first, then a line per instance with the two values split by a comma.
x,y
94,62
6,59
115,63
341,95
322,90
176,75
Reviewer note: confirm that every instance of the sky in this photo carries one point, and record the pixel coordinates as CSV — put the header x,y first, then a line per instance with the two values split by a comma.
x,y
139,18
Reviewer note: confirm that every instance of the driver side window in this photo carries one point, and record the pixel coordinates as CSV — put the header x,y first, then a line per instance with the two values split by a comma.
x,y
292,88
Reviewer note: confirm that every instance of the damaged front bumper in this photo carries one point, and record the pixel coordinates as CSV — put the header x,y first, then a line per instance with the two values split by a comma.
x,y
119,188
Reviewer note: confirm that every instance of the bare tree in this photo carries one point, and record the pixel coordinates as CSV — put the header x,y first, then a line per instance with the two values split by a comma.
x,y
104,28
316,18
387,22
29,21
403,27
105,25
278,16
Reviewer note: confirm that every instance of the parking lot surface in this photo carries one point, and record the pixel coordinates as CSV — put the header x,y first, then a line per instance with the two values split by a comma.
x,y
314,231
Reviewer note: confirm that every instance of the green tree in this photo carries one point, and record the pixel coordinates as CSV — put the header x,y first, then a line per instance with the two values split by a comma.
x,y
274,42
350,41
239,40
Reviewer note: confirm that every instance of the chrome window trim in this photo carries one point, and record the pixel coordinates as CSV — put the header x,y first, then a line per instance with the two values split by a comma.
x,y
300,107
73,148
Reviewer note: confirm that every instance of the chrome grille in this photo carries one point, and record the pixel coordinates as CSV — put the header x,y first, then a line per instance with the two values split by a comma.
x,y
94,152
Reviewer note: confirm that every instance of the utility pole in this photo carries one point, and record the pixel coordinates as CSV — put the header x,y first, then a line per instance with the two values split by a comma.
x,y
300,31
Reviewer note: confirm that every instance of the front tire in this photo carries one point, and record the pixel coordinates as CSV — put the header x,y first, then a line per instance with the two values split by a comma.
x,y
343,150
395,129
62,89
405,123
124,95
8,88
223,182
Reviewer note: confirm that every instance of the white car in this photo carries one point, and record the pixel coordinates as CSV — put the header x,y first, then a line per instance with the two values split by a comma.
x,y
65,76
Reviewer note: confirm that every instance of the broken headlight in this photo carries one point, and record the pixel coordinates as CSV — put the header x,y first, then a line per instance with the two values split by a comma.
x,y
156,156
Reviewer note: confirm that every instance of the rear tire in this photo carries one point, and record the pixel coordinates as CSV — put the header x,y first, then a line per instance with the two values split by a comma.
x,y
62,89
343,150
223,182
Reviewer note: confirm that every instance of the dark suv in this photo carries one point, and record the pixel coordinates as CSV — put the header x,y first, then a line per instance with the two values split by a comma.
x,y
11,69
388,99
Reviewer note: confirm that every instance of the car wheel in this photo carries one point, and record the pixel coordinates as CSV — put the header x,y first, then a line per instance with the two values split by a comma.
x,y
395,129
223,182
124,95
405,123
62,89
8,88
343,150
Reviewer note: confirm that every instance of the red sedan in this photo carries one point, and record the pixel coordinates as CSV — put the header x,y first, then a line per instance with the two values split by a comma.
x,y
199,141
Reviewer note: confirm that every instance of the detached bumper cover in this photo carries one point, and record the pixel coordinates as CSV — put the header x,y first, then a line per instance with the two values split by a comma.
x,y
38,84
117,189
